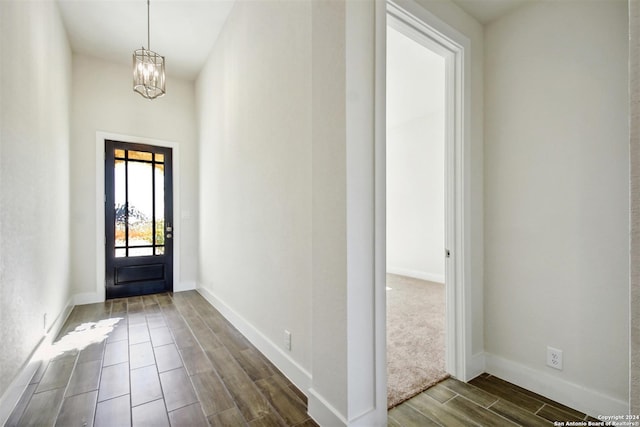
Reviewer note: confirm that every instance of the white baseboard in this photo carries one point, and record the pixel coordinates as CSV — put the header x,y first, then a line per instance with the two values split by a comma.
x,y
570,394
299,376
87,298
475,366
14,392
322,412
185,286
422,275
94,297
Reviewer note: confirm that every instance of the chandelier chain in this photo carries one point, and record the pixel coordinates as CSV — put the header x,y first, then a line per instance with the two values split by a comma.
x,y
148,27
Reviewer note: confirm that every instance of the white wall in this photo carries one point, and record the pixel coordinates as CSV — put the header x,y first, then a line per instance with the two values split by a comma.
x,y
415,199
253,101
281,247
103,100
557,182
415,159
35,92
329,251
348,364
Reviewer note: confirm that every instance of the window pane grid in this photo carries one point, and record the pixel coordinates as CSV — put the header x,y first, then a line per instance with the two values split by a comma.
x,y
139,207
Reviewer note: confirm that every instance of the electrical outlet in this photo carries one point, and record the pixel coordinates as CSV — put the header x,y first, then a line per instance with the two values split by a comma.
x,y
554,358
287,340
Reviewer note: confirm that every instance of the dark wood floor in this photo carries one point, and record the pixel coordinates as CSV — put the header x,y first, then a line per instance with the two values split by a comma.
x,y
158,360
484,401
172,359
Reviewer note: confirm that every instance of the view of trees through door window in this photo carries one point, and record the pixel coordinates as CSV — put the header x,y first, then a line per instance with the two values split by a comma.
x,y
139,203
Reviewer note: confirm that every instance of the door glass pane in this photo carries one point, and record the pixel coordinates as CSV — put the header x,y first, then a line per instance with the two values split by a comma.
x,y
140,204
120,202
139,208
159,202
140,155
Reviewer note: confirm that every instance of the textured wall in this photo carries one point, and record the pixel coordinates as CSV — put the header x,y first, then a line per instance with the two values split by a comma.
x,y
634,85
35,88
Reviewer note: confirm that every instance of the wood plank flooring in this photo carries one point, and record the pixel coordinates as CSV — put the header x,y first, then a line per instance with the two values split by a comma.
x,y
484,401
157,360
173,360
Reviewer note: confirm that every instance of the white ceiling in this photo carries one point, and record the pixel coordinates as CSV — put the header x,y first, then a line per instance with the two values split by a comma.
x,y
183,31
485,11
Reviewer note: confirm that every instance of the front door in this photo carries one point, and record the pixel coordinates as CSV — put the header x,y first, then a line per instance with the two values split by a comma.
x,y
138,219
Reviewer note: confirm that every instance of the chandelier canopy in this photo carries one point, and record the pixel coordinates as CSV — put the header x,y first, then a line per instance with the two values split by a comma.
x,y
148,69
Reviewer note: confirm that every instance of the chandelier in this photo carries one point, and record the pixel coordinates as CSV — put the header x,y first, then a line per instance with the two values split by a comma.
x,y
148,70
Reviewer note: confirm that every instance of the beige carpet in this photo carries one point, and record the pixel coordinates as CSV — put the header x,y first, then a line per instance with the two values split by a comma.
x,y
415,337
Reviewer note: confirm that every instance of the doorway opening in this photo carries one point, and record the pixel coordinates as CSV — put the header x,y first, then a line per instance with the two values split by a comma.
x,y
138,219
415,182
441,168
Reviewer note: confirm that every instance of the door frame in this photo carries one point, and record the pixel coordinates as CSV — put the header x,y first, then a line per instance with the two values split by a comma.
x,y
423,27
116,265
100,198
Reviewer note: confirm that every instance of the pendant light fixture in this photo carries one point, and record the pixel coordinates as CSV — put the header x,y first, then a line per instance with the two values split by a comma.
x,y
148,69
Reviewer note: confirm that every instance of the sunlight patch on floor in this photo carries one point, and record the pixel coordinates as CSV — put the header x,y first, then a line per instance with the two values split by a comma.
x,y
82,336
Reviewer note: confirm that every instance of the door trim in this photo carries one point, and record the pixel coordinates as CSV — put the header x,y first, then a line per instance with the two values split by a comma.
x,y
428,30
100,215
